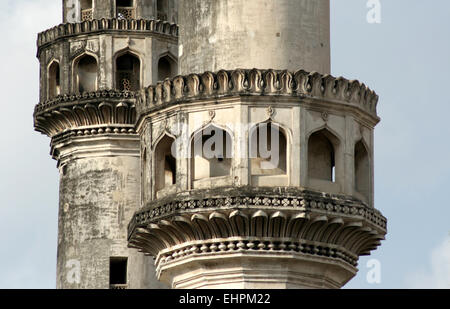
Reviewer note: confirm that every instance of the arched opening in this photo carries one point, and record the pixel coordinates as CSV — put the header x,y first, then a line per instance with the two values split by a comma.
x,y
165,164
128,72
86,74
268,150
321,156
54,80
362,170
211,151
166,68
162,9
125,9
86,10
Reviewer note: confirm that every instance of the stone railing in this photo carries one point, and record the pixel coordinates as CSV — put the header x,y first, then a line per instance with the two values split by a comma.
x,y
126,13
98,25
256,218
87,15
257,83
67,98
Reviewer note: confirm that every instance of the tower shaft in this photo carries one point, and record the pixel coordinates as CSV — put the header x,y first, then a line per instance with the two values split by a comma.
x,y
231,34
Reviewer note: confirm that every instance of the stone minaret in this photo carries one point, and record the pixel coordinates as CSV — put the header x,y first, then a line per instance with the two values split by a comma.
x,y
256,178
91,67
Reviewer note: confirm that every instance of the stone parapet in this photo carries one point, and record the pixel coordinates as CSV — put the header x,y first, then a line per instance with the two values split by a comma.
x,y
95,26
256,82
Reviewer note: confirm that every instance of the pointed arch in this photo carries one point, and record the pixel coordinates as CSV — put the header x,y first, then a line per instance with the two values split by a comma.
x,y
128,72
53,79
85,68
322,152
362,170
268,149
211,150
167,66
165,163
162,10
125,9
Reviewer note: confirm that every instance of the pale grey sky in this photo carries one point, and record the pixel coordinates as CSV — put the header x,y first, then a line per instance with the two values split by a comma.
x,y
405,58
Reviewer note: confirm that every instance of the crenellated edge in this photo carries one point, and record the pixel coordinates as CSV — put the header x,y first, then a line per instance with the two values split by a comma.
x,y
256,82
305,222
114,24
91,113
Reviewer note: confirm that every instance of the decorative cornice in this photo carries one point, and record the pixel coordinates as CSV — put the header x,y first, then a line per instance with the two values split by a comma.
x,y
84,112
101,25
208,85
288,218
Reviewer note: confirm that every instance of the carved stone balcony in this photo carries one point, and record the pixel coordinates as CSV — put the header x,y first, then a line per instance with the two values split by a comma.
x,y
103,111
242,227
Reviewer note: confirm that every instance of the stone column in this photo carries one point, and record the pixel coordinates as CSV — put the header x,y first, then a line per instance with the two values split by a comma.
x,y
269,34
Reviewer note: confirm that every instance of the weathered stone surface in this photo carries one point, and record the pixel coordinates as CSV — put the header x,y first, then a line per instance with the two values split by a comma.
x,y
230,34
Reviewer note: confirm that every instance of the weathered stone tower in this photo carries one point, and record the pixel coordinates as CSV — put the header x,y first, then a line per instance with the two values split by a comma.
x,y
256,178
92,66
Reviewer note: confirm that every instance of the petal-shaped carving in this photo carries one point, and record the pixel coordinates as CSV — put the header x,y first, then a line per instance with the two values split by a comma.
x,y
259,224
239,223
316,82
278,224
355,89
223,82
255,81
162,235
159,94
106,112
178,86
286,83
271,82
193,84
315,226
330,86
167,86
185,225
220,225
174,233
347,232
200,223
208,83
238,78
301,79
296,224
333,227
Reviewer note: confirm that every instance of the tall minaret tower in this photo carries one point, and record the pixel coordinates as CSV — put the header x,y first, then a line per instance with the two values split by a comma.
x,y
256,178
91,67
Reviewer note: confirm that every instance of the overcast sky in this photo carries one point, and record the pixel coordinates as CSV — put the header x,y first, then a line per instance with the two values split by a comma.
x,y
405,58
